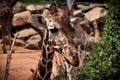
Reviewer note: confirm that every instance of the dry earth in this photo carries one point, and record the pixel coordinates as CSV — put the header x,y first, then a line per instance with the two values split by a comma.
x,y
22,61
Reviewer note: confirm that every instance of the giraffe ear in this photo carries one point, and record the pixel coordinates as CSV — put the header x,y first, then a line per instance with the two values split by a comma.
x,y
64,9
53,9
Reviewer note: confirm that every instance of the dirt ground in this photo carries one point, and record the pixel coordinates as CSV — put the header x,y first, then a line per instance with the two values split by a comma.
x,y
22,61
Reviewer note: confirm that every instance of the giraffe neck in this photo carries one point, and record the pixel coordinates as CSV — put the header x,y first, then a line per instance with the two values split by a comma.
x,y
44,68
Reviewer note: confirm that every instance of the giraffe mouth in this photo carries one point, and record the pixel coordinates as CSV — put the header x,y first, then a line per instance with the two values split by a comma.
x,y
73,60
71,56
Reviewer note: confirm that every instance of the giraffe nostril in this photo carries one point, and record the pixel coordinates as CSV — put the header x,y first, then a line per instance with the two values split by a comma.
x,y
71,54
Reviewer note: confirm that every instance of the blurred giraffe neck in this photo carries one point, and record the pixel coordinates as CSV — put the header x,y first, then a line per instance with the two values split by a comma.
x,y
44,68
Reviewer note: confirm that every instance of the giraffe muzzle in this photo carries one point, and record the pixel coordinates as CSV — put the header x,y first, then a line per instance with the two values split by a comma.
x,y
73,60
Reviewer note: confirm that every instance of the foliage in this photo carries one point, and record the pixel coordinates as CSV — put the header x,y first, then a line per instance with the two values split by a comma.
x,y
104,61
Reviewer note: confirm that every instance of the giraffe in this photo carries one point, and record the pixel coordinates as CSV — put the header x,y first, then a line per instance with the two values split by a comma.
x,y
57,37
6,16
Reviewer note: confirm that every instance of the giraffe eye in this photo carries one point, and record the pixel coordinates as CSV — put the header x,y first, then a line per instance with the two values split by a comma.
x,y
54,30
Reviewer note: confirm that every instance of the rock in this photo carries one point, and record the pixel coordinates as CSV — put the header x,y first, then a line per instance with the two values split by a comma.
x,y
39,8
44,15
34,37
92,5
79,6
19,42
45,12
26,33
19,7
21,18
34,42
83,7
95,14
31,8
78,13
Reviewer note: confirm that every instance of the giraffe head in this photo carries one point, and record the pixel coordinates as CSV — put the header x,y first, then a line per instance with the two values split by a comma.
x,y
60,34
